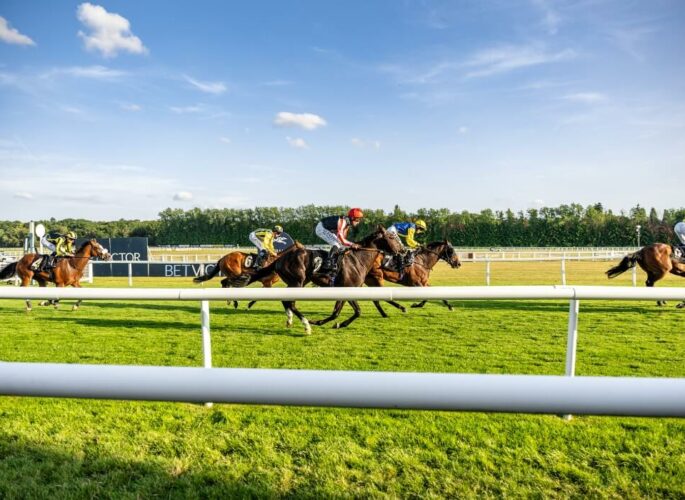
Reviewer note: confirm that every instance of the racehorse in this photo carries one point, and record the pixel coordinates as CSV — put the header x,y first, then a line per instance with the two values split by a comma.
x,y
300,266
237,269
67,272
418,273
656,260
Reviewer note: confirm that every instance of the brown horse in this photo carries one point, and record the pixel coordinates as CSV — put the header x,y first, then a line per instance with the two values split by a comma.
x,y
67,272
656,260
418,273
300,266
237,269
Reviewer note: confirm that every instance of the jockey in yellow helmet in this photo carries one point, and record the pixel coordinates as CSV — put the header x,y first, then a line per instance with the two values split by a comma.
x,y
408,231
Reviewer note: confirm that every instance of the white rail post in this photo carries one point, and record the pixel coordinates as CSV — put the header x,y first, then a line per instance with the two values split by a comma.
x,y
563,271
635,276
130,274
572,341
206,339
487,270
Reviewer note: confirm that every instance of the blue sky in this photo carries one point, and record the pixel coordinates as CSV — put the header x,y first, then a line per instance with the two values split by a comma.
x,y
120,109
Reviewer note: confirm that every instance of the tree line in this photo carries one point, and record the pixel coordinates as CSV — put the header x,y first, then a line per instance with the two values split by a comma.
x,y
565,225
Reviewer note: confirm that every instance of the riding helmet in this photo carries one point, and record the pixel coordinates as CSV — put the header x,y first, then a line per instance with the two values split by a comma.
x,y
355,213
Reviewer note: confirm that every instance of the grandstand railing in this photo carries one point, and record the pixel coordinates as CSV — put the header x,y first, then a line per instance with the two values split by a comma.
x,y
506,393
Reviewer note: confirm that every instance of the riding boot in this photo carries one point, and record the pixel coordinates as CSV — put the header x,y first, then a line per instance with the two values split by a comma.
x,y
409,258
330,264
399,262
261,258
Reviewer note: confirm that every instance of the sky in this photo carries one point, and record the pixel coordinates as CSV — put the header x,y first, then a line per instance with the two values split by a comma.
x,y
120,109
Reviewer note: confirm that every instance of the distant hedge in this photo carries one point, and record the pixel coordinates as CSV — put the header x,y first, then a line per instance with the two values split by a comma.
x,y
566,225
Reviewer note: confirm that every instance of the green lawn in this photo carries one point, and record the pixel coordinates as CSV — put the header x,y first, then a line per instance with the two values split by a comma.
x,y
83,448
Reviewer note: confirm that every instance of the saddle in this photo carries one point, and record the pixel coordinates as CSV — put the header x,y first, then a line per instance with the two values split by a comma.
x,y
398,263
679,253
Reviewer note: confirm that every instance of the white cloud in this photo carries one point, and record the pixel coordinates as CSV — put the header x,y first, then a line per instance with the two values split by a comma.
x,y
181,110
11,35
71,109
307,121
507,58
183,196
297,142
109,33
208,87
586,97
23,195
95,72
225,140
360,143
130,107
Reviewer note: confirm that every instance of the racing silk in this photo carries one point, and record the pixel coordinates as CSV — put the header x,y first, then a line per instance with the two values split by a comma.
x,y
63,246
340,225
282,242
266,236
407,230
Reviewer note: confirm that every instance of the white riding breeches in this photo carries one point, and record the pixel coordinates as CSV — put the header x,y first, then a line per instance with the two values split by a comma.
x,y
50,247
256,242
679,230
393,230
327,236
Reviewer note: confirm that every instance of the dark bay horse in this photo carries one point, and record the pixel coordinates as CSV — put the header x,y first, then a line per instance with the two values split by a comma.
x,y
299,266
656,260
67,272
418,273
237,269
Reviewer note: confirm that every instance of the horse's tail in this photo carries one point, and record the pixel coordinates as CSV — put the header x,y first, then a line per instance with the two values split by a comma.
x,y
208,276
8,271
628,262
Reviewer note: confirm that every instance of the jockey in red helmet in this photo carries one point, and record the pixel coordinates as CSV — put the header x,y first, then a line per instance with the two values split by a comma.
x,y
333,230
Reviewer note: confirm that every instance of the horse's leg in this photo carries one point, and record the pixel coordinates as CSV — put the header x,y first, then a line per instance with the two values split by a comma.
x,y
78,302
679,272
25,281
251,303
448,305
290,309
380,309
397,305
419,304
336,312
355,315
652,278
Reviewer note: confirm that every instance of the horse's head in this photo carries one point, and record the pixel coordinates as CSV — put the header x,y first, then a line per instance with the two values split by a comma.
x,y
445,251
383,240
98,251
450,256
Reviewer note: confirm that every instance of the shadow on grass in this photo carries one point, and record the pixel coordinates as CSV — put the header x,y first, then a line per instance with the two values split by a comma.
x,y
586,306
126,323
32,471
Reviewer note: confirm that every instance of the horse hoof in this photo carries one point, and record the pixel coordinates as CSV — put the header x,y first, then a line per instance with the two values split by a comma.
x,y
403,309
337,326
43,303
450,308
680,306
74,308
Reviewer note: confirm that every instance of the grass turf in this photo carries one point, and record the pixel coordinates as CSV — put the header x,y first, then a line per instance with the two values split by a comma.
x,y
82,448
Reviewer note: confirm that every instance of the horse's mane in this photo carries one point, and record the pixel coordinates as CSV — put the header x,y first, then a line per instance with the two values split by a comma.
x,y
83,245
368,239
434,244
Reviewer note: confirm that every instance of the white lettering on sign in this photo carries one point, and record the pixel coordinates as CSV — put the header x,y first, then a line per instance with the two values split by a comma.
x,y
126,256
168,271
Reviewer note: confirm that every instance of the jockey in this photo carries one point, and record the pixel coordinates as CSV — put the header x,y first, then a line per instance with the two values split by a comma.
x,y
334,230
269,242
679,230
60,245
408,231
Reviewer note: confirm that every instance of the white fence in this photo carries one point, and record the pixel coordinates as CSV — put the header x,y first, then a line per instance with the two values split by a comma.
x,y
537,394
